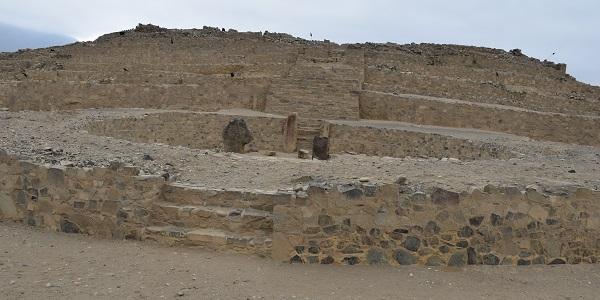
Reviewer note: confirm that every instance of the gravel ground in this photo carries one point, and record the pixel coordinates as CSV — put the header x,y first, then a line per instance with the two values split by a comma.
x,y
37,264
52,137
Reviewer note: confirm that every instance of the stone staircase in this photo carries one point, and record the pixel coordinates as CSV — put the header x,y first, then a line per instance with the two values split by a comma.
x,y
307,130
232,220
321,83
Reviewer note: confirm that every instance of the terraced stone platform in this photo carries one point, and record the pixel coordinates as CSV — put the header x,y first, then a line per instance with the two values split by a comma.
x,y
440,154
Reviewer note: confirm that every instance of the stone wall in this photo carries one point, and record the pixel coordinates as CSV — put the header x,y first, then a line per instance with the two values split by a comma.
x,y
193,130
104,202
401,143
453,113
395,224
211,95
406,224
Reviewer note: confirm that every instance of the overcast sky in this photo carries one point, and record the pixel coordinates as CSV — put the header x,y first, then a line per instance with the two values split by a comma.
x,y
571,28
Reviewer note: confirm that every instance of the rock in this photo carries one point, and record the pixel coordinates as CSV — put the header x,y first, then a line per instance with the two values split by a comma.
x,y
523,262
496,220
457,259
271,153
404,257
443,197
69,227
376,257
491,259
557,261
476,221
364,179
462,244
352,249
412,243
401,180
471,256
444,249
352,260
296,260
66,163
327,260
465,232
236,136
434,261
432,228
303,154
180,294
516,52
397,234
321,148
572,171
148,157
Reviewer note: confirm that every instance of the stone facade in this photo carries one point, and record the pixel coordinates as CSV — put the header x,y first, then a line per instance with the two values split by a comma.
x,y
401,143
404,225
556,127
351,224
203,131
193,130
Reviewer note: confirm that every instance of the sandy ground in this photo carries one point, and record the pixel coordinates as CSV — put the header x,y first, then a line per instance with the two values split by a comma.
x,y
37,264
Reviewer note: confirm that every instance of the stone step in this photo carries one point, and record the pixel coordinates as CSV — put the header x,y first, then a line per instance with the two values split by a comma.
x,y
208,238
308,131
238,220
232,198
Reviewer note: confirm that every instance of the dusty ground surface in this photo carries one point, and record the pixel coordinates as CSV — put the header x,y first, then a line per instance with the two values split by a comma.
x,y
52,137
37,264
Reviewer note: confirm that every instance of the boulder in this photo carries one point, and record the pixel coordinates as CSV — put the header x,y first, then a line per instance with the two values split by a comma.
x,y
236,136
321,148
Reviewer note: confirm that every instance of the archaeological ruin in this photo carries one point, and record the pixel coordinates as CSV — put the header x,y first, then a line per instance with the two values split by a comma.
x,y
304,151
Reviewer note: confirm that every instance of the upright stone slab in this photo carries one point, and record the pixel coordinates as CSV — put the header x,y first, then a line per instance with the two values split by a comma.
x,y
321,148
236,135
290,133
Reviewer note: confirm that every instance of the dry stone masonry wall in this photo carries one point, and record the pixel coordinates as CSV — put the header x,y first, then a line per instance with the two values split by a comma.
x,y
404,225
358,223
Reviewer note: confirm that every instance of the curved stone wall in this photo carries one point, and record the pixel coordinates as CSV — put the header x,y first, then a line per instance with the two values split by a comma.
x,y
405,224
351,224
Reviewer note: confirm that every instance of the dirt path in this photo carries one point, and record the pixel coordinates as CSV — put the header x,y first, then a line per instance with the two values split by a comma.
x,y
36,264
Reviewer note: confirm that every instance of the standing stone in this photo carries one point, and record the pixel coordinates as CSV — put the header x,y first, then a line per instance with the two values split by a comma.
x,y
321,148
236,135
290,133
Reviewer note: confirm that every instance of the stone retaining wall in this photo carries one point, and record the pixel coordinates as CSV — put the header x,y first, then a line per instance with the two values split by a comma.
x,y
193,130
401,143
397,224
211,95
454,113
403,225
104,202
